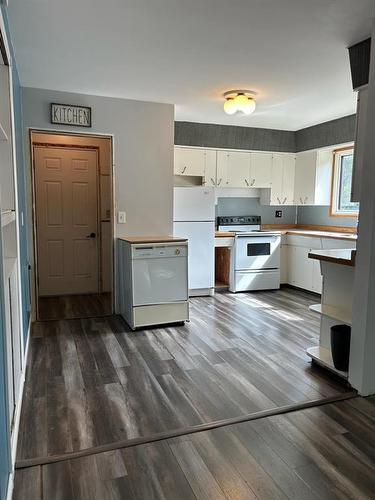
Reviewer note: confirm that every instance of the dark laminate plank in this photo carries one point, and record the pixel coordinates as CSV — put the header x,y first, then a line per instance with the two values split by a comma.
x,y
129,443
202,482
155,473
74,306
286,479
93,381
304,454
28,484
57,481
237,455
226,475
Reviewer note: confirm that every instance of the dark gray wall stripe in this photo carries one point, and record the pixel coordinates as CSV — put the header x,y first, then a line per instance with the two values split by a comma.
x,y
262,139
231,137
326,134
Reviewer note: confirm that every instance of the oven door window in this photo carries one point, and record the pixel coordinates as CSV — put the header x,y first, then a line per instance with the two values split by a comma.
x,y
257,249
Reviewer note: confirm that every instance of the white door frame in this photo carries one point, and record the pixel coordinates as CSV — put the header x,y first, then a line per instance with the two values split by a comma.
x,y
32,132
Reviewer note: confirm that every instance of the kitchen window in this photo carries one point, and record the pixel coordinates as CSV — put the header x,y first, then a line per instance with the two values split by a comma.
x,y
341,205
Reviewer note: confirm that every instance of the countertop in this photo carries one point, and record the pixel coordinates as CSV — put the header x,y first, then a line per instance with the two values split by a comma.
x,y
349,236
152,239
344,257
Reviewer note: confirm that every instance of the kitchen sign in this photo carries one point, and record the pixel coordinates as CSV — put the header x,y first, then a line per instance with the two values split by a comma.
x,y
65,114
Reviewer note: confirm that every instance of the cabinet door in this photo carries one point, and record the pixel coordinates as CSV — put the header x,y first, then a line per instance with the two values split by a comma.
x,y
304,189
277,179
288,173
284,250
209,178
233,169
189,161
317,281
261,170
302,274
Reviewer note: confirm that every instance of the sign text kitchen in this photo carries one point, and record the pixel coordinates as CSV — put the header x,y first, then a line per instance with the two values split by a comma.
x,y
65,114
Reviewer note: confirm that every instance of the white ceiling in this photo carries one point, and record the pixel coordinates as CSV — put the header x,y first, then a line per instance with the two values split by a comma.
x,y
188,52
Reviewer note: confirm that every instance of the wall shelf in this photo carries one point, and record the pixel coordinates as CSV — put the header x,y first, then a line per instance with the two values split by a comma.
x,y
7,217
323,357
332,312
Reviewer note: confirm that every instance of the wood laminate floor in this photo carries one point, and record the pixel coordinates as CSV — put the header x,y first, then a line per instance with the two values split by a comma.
x,y
74,306
93,381
326,452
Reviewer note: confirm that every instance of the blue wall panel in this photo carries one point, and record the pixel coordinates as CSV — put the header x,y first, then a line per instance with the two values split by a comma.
x,y
21,186
5,457
5,465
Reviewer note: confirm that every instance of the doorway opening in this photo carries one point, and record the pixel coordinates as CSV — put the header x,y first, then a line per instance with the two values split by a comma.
x,y
73,225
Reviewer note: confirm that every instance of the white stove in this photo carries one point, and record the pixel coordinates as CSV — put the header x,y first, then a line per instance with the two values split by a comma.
x,y
255,257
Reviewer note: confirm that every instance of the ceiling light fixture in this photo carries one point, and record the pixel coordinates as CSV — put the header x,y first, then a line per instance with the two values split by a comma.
x,y
239,101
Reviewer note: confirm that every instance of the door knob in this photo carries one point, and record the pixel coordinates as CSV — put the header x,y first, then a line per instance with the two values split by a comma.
x,y
91,235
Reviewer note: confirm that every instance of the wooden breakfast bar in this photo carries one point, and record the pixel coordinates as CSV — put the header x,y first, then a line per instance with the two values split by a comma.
x,y
337,268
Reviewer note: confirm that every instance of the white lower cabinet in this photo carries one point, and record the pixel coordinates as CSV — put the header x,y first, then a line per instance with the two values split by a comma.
x,y
301,271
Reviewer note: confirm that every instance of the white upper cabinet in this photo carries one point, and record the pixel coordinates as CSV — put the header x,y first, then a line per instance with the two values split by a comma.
x,y
189,161
359,143
282,181
210,170
233,169
289,169
313,177
261,170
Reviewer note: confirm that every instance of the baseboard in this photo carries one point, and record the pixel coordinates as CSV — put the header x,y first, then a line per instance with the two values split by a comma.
x,y
17,417
201,292
299,289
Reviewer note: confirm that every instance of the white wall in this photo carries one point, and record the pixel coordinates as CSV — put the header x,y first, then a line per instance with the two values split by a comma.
x,y
143,135
362,348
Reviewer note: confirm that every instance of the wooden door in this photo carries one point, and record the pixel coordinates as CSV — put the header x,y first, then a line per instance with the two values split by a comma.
x,y
261,170
66,220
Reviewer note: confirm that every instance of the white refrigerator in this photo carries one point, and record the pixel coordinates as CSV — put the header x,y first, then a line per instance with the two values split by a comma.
x,y
194,218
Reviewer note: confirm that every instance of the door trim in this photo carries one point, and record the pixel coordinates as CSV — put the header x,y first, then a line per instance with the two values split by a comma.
x,y
71,145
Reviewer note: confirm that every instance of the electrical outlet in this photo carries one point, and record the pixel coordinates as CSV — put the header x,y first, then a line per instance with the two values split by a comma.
x,y
121,217
278,213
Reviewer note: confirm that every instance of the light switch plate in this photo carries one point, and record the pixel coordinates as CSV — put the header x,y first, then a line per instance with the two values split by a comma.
x,y
121,217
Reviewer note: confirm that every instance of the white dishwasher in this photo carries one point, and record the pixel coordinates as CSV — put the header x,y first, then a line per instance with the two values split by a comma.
x,y
153,282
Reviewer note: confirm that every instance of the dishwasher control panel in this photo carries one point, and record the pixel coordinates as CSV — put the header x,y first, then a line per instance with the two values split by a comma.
x,y
154,252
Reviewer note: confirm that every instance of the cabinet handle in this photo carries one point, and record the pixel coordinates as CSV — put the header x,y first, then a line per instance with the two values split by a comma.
x,y
306,198
278,199
284,200
183,170
213,182
219,181
247,184
253,182
300,199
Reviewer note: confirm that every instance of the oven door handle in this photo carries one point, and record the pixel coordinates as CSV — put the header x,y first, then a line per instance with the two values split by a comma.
x,y
259,235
